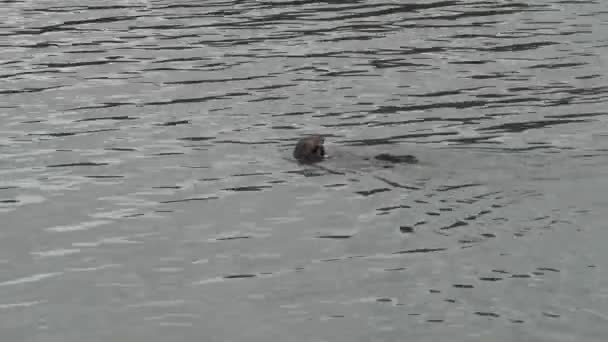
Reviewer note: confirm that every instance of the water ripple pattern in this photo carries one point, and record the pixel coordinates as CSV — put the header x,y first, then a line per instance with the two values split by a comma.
x,y
147,188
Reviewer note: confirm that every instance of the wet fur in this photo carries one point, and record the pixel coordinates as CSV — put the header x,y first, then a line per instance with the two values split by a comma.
x,y
310,149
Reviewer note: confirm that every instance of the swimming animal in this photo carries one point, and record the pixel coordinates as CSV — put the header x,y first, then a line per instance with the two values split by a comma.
x,y
310,150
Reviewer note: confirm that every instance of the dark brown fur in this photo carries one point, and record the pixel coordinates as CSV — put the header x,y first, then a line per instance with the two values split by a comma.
x,y
310,149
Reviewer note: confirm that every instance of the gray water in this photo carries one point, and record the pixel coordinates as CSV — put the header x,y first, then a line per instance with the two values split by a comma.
x,y
147,191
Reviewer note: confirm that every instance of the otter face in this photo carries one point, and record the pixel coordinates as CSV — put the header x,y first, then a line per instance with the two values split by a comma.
x,y
310,149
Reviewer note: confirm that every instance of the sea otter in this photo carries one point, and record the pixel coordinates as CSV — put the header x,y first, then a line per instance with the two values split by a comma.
x,y
310,150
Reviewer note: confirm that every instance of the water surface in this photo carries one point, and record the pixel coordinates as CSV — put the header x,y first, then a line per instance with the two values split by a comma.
x,y
147,191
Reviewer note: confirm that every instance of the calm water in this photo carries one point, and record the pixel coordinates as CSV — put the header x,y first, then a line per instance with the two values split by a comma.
x,y
147,191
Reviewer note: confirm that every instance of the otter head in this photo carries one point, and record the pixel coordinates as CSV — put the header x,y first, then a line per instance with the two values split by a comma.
x,y
310,149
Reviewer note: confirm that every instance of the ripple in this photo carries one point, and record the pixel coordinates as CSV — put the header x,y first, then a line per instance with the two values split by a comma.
x,y
191,199
20,305
56,252
30,279
79,164
420,250
77,227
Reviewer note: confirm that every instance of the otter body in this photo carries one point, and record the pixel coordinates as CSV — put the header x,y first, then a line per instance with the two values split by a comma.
x,y
310,150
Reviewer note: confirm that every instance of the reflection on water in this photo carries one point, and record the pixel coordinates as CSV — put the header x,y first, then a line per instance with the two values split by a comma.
x,y
147,190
